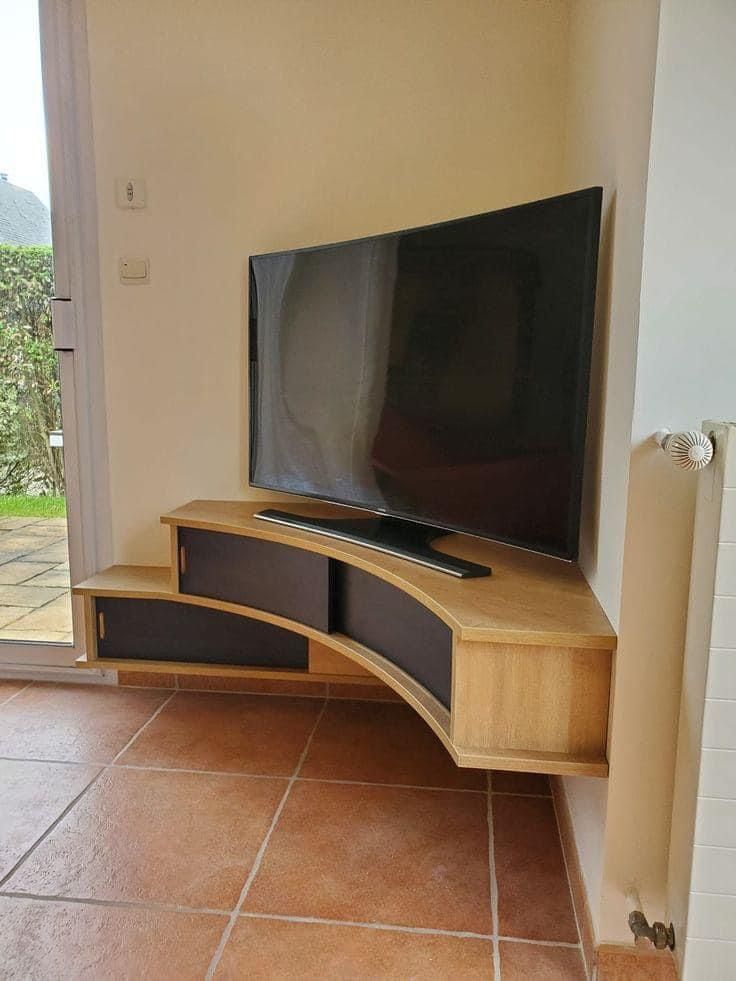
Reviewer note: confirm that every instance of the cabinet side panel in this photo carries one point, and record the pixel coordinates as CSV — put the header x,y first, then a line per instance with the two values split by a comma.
x,y
526,698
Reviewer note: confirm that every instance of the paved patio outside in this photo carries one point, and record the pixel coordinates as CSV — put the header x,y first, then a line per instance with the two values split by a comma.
x,y
35,598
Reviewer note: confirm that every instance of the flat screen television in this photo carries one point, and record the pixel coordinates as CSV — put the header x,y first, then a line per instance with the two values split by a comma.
x,y
437,377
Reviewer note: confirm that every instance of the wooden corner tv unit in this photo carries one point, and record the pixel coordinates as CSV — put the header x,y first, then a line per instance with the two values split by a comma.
x,y
512,672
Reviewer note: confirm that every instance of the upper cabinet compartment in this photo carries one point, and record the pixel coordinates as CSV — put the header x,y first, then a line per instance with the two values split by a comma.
x,y
289,582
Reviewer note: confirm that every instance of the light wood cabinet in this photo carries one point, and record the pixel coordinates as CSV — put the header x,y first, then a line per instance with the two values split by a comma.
x,y
511,671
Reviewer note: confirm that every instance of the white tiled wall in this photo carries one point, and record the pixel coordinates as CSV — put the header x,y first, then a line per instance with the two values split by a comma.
x,y
710,946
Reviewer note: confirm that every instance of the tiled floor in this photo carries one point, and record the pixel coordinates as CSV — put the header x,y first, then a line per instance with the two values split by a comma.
x,y
35,601
177,834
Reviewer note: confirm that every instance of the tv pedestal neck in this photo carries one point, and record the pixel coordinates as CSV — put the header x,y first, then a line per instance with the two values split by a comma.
x,y
392,536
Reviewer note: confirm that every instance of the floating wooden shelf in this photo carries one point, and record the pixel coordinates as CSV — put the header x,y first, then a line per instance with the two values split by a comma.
x,y
511,672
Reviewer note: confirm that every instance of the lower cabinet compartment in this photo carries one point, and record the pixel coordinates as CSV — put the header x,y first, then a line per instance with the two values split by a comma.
x,y
395,625
162,630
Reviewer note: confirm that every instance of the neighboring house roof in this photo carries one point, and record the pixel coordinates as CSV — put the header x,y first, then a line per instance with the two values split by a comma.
x,y
24,219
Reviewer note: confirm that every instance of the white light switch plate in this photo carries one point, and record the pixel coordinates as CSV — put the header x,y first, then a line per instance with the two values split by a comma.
x,y
134,271
130,192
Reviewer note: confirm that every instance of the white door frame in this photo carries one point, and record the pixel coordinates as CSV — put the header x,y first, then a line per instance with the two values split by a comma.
x,y
77,320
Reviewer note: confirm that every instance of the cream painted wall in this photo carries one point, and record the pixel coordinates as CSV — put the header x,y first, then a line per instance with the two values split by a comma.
x,y
270,124
612,61
685,374
677,371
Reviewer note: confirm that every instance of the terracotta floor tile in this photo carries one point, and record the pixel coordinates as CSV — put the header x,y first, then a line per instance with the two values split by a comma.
x,y
51,940
238,733
79,723
524,962
184,838
533,892
32,796
382,743
509,782
379,855
10,687
268,949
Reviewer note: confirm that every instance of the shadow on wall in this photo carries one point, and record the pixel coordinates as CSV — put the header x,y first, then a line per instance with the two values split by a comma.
x,y
598,389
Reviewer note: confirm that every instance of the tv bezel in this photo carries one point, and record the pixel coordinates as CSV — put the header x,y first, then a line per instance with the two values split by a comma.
x,y
594,197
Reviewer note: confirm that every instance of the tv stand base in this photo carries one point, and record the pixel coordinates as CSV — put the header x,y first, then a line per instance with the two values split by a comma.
x,y
404,539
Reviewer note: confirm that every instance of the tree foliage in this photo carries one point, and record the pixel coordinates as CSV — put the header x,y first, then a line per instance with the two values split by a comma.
x,y
30,404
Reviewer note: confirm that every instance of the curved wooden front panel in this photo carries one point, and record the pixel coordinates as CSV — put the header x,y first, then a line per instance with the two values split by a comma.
x,y
388,621
163,630
290,582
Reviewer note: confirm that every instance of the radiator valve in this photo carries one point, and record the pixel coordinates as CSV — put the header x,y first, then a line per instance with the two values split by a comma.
x,y
660,935
692,450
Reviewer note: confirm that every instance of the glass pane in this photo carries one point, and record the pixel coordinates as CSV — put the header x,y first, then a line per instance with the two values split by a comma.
x,y
35,603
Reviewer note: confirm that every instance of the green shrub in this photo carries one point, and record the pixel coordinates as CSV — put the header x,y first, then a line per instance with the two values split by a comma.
x,y
30,405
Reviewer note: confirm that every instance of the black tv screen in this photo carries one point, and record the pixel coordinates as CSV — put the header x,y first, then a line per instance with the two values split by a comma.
x,y
438,374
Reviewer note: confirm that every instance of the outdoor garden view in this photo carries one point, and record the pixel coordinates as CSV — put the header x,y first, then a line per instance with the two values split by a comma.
x,y
34,567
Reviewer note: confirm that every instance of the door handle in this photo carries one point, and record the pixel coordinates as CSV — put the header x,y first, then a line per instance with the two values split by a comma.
x,y
62,323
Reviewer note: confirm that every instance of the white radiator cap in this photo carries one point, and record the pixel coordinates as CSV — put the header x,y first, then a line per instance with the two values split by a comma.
x,y
691,450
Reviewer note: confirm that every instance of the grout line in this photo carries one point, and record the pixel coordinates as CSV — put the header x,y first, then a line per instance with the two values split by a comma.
x,y
588,970
16,693
33,759
261,852
153,906
540,943
706,892
238,773
201,773
27,854
393,786
145,725
149,905
394,927
493,881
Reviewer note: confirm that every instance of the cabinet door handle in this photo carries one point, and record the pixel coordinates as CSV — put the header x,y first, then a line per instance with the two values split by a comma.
x,y
182,559
101,625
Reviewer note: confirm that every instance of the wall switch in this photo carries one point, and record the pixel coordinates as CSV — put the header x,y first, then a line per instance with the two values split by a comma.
x,y
133,271
130,192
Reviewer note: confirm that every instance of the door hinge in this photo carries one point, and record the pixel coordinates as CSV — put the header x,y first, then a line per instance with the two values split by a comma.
x,y
63,323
